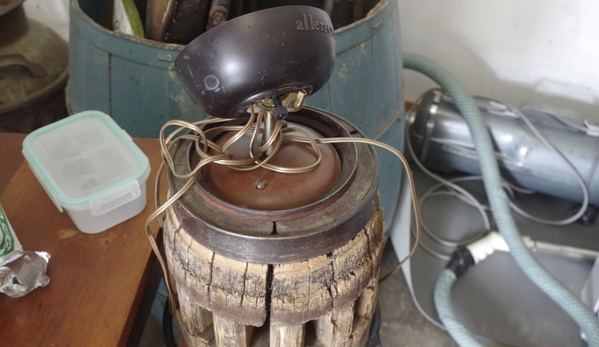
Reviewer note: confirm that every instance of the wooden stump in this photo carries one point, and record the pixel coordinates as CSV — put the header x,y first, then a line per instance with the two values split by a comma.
x,y
323,301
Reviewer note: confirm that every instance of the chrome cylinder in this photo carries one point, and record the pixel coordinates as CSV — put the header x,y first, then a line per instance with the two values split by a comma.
x,y
441,140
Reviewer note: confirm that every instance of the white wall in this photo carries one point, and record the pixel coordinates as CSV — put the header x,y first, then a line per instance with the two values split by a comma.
x,y
510,50
53,13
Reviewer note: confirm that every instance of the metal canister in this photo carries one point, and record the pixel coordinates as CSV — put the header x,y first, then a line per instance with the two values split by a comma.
x,y
33,71
442,141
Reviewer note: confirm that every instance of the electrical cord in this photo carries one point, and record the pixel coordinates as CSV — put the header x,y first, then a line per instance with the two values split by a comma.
x,y
579,179
455,190
469,199
509,188
466,197
462,194
567,118
499,203
210,152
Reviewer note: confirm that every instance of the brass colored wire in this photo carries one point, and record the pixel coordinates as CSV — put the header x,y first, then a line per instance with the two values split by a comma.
x,y
210,152
415,208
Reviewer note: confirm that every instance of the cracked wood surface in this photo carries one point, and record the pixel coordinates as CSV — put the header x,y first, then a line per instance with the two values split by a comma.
x,y
223,299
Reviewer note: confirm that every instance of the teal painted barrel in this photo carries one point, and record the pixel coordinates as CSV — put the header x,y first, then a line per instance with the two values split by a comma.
x,y
133,80
366,88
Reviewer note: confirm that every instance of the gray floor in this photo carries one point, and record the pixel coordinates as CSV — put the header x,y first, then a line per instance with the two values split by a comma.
x,y
402,325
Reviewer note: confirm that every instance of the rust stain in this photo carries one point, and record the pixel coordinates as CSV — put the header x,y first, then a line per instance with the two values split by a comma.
x,y
67,233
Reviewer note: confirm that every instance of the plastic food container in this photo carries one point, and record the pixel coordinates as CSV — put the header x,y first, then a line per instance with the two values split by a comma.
x,y
91,168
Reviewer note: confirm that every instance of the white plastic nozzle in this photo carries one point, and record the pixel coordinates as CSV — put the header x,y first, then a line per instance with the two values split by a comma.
x,y
485,246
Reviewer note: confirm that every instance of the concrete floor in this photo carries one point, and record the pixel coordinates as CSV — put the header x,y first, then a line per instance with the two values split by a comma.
x,y
402,325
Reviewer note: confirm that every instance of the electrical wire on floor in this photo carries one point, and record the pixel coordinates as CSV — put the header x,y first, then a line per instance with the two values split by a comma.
x,y
579,179
210,152
499,204
451,188
509,187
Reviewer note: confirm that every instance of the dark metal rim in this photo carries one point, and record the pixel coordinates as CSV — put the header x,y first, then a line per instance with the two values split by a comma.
x,y
307,237
276,249
347,154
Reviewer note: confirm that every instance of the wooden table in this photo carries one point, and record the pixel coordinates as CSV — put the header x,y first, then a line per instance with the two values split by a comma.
x,y
97,281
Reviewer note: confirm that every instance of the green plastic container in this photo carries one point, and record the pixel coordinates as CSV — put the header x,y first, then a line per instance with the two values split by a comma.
x,y
133,80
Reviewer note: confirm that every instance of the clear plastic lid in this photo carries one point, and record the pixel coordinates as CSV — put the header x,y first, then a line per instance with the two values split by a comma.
x,y
84,157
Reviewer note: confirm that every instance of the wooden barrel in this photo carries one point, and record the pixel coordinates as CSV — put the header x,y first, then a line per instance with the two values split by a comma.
x,y
306,276
327,300
133,79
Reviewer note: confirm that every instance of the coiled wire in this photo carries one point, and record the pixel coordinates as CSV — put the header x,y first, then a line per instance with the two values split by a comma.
x,y
210,152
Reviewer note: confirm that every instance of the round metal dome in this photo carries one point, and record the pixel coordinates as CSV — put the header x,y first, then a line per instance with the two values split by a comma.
x,y
258,55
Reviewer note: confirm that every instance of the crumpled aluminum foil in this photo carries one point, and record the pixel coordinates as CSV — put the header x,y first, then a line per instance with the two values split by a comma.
x,y
24,274
20,272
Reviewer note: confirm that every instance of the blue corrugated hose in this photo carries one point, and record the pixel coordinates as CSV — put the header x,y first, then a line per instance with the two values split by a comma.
x,y
498,201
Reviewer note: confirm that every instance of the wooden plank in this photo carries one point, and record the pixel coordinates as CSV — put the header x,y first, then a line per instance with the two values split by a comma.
x,y
189,262
231,333
321,279
335,328
366,304
238,290
376,238
351,267
195,322
364,311
300,292
230,288
290,295
304,291
356,263
287,335
387,101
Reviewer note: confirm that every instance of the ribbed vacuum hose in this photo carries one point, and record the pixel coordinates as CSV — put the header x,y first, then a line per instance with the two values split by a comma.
x,y
442,293
498,201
